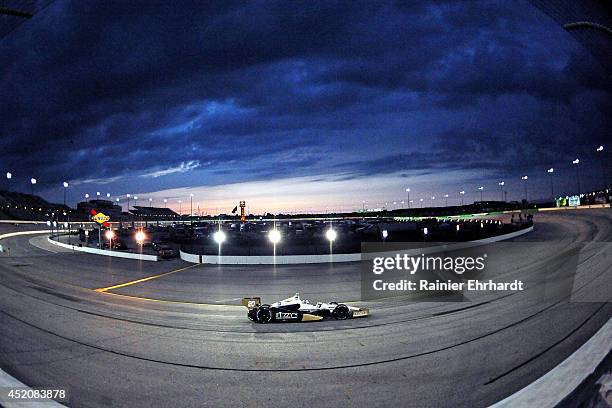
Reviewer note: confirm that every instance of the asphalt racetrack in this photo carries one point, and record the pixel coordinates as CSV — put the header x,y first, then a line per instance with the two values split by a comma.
x,y
180,339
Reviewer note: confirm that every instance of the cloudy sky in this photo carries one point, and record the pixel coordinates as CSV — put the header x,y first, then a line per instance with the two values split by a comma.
x,y
298,105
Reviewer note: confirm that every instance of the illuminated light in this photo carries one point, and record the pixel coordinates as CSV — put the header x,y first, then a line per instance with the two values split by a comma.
x,y
65,225
97,193
524,177
48,223
107,195
331,234
551,170
457,227
425,231
501,183
219,237
65,184
576,161
116,199
9,175
481,188
385,234
109,234
600,148
274,236
140,237
86,233
86,195
462,192
33,180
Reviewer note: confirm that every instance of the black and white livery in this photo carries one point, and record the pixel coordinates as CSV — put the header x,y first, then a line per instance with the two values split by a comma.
x,y
294,309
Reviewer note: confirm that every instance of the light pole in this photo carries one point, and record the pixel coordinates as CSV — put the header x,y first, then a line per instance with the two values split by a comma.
x,y
446,200
65,188
462,193
501,189
481,188
604,173
421,200
86,196
9,176
32,183
150,202
575,163
191,208
525,178
165,203
552,188
432,200
408,196
128,199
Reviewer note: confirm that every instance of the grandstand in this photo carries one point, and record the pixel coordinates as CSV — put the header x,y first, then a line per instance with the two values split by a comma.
x,y
19,206
153,213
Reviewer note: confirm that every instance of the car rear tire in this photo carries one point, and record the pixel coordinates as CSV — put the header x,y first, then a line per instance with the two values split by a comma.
x,y
264,314
341,312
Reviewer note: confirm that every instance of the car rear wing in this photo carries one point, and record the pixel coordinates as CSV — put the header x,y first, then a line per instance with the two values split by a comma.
x,y
251,302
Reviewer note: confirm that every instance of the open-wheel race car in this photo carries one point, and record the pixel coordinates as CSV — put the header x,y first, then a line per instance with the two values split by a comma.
x,y
294,309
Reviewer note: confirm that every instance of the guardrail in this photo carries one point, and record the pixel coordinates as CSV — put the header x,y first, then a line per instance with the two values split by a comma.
x,y
96,251
311,259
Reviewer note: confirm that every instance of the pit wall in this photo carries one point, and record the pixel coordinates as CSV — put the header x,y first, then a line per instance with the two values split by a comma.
x,y
96,251
312,259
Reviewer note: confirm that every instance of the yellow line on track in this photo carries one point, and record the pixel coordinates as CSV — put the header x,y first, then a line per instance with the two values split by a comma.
x,y
121,285
176,302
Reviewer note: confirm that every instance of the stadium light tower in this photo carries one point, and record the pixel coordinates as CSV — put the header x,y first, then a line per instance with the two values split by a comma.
x,y
408,196
32,183
501,189
552,188
165,203
525,178
150,202
575,163
462,193
481,188
421,200
604,173
65,188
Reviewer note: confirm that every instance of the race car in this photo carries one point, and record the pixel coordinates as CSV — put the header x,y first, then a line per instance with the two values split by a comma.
x,y
294,309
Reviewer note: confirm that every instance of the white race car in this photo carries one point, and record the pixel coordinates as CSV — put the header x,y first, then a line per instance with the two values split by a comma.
x,y
294,309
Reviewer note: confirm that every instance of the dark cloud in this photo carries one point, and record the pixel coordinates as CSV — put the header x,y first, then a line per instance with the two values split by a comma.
x,y
257,90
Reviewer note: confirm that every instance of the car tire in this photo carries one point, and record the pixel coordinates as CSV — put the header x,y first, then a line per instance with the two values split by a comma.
x,y
264,314
341,312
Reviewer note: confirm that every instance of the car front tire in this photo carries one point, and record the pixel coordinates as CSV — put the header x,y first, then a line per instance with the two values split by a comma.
x,y
341,312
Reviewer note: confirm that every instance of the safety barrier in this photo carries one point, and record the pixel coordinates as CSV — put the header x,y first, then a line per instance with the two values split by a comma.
x,y
312,259
96,251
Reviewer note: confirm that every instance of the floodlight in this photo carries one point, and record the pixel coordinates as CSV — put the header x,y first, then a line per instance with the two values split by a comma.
x,y
274,236
140,237
331,234
219,237
109,234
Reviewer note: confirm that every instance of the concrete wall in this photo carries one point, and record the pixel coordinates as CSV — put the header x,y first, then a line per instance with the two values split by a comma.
x,y
96,251
310,259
